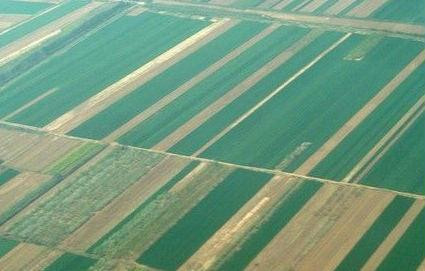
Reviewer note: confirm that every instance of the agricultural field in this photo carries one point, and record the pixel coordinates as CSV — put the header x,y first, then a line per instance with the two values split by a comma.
x,y
212,135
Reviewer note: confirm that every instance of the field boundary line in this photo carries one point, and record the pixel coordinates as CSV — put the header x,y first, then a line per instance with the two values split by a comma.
x,y
31,18
253,168
170,97
128,83
30,103
391,240
270,96
386,142
237,91
341,23
360,116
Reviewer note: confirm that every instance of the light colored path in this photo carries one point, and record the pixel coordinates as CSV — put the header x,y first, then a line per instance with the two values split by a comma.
x,y
270,96
236,92
370,159
366,8
379,255
355,120
112,93
188,85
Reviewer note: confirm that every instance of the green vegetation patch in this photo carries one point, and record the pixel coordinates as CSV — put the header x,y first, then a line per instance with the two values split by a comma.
x,y
89,66
409,251
263,233
376,234
298,116
69,261
53,219
200,136
402,11
7,174
182,109
6,245
73,160
22,7
197,226
400,167
359,142
141,98
40,21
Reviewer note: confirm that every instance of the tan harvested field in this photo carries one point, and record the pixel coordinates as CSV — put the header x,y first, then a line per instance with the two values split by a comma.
x,y
312,6
18,187
237,91
24,257
324,231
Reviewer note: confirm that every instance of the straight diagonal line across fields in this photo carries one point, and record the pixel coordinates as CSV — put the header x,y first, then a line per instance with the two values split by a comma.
x,y
270,96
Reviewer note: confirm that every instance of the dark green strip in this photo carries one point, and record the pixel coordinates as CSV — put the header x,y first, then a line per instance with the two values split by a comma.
x,y
409,252
7,175
377,233
262,235
69,262
197,226
6,245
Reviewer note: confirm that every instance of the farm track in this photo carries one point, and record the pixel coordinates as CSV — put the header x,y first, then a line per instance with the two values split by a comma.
x,y
194,158
354,24
114,92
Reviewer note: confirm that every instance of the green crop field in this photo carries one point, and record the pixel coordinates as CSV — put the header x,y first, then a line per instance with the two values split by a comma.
x,y
212,135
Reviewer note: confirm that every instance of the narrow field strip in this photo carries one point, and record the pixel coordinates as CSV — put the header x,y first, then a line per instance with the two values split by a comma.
x,y
133,104
384,249
366,8
234,93
169,98
365,165
40,35
269,97
23,257
376,234
112,93
343,23
339,6
355,120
